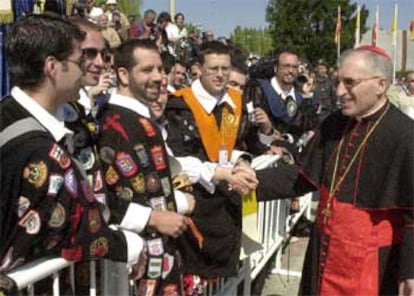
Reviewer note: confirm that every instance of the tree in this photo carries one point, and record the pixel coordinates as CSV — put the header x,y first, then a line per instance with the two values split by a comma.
x,y
308,26
129,7
256,41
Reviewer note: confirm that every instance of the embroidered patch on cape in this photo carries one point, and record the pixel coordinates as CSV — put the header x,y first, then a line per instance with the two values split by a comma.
x,y
158,157
126,164
36,173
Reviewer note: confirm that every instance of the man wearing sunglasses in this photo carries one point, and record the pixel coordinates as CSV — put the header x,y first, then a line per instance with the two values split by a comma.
x,y
361,161
47,205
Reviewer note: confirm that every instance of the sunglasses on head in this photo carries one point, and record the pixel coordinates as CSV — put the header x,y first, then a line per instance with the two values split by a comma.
x,y
91,53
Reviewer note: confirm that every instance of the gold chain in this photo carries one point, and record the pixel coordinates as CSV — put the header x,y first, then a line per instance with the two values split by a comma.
x,y
334,187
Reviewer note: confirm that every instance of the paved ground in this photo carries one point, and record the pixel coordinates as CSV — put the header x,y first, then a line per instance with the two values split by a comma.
x,y
292,261
287,284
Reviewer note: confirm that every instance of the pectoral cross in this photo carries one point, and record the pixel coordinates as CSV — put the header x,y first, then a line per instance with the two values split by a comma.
x,y
326,212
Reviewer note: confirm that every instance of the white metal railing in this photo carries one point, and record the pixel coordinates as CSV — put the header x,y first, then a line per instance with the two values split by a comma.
x,y
273,223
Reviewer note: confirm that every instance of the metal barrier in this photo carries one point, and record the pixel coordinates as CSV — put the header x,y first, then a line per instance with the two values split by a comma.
x,y
273,224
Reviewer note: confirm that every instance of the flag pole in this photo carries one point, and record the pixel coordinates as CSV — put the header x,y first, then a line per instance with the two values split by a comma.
x,y
338,35
394,39
358,26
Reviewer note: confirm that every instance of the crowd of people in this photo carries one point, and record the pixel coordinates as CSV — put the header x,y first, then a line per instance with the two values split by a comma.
x,y
135,141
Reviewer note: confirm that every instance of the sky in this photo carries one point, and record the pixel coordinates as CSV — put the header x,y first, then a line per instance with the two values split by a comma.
x,y
223,16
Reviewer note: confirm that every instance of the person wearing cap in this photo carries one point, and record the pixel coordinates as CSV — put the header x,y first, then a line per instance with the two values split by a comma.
x,y
362,162
324,92
125,26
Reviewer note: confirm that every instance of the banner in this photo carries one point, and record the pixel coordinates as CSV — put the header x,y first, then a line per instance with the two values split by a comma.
x,y
394,26
358,27
412,30
338,27
375,27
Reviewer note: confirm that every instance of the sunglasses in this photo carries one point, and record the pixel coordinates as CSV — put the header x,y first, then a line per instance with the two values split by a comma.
x,y
91,53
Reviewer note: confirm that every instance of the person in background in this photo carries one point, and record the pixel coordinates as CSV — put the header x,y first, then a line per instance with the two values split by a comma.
x,y
177,77
120,22
238,77
324,91
48,207
194,69
108,32
361,162
136,166
405,96
146,26
176,31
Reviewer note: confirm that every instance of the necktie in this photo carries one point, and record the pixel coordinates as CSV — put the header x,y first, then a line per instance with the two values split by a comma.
x,y
217,111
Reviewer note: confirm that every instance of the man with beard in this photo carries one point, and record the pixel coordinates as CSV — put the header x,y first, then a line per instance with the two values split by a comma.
x,y
280,101
136,166
361,160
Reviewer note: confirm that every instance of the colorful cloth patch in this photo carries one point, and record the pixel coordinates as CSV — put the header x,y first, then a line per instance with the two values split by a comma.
x,y
7,260
59,156
158,203
155,247
22,206
153,182
87,191
98,183
138,183
126,164
55,183
171,206
142,154
71,185
69,113
167,264
124,193
36,173
99,247
52,241
154,268
170,290
100,197
146,287
158,157
148,127
94,220
111,176
58,216
107,154
166,186
87,158
31,221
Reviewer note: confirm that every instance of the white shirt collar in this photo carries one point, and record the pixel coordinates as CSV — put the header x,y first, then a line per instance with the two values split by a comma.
x,y
129,103
207,101
84,99
50,122
280,92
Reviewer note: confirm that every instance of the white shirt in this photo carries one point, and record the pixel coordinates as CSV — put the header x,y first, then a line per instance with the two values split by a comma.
x,y
279,91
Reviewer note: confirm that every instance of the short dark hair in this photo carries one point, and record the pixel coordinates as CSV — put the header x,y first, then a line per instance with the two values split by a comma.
x,y
163,17
124,54
178,15
212,47
32,39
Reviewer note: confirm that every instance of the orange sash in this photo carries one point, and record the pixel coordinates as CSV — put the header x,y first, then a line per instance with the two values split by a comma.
x,y
212,137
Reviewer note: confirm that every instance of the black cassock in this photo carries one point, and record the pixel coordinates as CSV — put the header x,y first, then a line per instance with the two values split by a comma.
x,y
362,242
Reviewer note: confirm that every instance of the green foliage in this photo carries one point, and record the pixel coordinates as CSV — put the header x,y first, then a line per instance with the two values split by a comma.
x,y
308,26
255,41
128,7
